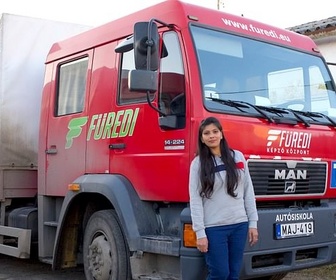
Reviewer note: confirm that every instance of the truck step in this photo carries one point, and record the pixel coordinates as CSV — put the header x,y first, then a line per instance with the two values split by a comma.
x,y
51,224
157,277
161,244
47,260
23,237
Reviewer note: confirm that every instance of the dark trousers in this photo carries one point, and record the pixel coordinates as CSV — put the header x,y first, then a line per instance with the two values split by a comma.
x,y
225,252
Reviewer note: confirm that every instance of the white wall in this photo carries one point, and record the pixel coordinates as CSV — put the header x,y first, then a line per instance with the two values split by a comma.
x,y
327,46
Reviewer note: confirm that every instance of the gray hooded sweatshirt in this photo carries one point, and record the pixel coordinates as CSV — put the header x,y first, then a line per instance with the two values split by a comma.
x,y
222,209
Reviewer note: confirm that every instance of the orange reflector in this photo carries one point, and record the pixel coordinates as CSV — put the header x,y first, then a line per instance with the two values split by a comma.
x,y
74,187
189,236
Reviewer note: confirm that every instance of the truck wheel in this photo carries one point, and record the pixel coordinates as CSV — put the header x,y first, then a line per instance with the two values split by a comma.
x,y
105,253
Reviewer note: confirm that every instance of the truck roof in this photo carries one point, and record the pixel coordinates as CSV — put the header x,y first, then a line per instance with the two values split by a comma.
x,y
180,14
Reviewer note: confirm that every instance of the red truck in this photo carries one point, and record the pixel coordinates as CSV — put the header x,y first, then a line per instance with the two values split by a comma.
x,y
120,110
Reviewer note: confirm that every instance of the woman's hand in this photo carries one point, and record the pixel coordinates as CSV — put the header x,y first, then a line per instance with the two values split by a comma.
x,y
253,236
202,244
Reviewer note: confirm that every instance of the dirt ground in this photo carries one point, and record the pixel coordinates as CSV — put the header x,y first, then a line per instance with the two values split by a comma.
x,y
16,269
19,269
321,273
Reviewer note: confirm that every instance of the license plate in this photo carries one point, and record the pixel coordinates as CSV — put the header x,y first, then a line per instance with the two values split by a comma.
x,y
294,230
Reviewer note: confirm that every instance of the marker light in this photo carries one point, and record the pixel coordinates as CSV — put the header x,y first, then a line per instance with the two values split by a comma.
x,y
192,18
74,187
189,236
315,50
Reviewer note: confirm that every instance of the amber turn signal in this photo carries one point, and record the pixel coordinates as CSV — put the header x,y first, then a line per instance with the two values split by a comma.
x,y
189,236
74,187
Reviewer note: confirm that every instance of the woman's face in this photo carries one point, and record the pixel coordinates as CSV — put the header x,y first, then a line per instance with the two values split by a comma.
x,y
211,136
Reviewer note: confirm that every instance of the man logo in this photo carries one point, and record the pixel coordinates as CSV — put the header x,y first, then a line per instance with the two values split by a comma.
x,y
291,174
290,187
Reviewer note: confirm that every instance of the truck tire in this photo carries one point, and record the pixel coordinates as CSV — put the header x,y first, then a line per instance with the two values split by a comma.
x,y
105,251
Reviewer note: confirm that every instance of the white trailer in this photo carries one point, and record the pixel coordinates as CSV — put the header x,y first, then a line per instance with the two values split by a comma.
x,y
24,45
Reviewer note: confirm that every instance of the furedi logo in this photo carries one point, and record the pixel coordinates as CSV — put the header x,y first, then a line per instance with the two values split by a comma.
x,y
288,142
103,126
75,129
273,135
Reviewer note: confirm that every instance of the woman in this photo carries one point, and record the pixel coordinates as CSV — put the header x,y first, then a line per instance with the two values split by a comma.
x,y
222,202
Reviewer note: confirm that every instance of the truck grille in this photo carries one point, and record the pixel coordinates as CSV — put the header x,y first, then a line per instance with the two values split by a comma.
x,y
274,178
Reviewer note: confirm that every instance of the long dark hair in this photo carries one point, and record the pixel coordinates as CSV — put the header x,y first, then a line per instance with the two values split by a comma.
x,y
207,168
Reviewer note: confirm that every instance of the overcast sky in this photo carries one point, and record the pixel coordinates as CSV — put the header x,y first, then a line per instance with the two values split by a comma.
x,y
284,13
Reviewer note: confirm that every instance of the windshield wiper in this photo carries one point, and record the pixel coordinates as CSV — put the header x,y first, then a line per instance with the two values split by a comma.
x,y
262,110
306,123
242,104
313,115
278,112
230,103
281,111
280,115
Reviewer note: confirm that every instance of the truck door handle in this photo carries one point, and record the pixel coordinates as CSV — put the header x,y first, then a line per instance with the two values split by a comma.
x,y
117,146
52,150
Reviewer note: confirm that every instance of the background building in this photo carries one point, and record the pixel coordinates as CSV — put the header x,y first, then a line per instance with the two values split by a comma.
x,y
323,32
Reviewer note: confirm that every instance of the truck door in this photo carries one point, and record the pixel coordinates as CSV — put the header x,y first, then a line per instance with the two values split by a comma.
x,y
153,158
66,140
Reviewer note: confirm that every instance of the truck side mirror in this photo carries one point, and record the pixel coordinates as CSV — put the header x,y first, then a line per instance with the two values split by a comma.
x,y
143,81
146,46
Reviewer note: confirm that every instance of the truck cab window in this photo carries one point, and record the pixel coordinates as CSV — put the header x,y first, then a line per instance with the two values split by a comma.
x,y
71,87
125,95
285,79
322,97
172,98
279,83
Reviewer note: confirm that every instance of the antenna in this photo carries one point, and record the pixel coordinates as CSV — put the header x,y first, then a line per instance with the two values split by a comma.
x,y
220,4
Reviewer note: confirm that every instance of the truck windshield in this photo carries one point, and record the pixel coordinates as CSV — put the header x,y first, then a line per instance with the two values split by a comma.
x,y
253,78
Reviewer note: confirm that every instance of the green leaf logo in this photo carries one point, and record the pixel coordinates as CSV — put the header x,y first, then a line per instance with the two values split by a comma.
x,y
75,129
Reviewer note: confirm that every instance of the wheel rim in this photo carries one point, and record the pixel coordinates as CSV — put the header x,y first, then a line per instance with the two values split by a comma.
x,y
100,259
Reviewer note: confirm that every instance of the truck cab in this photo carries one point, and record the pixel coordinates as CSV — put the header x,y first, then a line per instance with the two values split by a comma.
x,y
121,108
